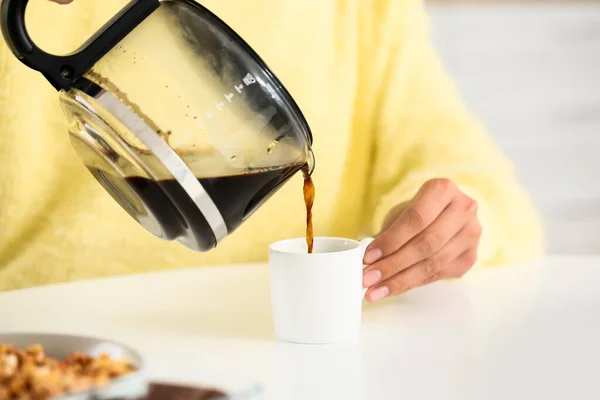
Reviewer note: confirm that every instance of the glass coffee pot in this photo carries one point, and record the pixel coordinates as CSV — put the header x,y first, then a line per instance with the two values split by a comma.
x,y
175,116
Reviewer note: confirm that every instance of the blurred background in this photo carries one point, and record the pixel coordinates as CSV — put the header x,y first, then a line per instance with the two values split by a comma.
x,y
530,69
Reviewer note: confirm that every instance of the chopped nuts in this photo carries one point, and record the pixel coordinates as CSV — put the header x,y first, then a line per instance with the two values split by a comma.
x,y
29,375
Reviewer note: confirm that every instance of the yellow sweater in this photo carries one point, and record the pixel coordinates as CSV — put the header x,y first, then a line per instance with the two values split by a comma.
x,y
385,118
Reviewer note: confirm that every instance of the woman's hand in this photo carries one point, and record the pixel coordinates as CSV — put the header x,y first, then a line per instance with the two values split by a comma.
x,y
431,237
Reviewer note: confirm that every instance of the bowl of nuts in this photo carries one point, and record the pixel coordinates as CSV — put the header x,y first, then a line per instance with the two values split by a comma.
x,y
67,367
41,366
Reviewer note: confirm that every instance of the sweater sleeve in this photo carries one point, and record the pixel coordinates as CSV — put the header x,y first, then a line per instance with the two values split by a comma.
x,y
423,131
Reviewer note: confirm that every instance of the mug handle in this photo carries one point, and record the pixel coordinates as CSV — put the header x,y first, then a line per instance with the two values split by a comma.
x,y
364,243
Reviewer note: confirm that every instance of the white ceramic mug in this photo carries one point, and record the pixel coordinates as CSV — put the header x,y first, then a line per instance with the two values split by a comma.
x,y
317,298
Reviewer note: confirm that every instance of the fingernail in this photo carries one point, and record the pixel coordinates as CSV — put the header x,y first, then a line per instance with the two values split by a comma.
x,y
379,293
371,278
372,256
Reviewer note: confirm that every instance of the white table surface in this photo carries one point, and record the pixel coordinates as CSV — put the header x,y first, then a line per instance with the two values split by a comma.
x,y
518,332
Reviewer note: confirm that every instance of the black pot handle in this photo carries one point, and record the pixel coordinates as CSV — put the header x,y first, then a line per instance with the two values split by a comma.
x,y
63,71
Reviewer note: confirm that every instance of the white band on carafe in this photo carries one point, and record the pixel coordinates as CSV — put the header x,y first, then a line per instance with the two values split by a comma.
x,y
169,158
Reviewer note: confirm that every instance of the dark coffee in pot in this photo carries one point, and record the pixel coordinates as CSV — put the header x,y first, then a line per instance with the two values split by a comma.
x,y
165,209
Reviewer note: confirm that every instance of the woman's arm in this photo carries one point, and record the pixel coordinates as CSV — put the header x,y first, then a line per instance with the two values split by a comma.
x,y
425,132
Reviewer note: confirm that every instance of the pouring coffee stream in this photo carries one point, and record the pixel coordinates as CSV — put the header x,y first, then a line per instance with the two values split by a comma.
x,y
309,199
175,116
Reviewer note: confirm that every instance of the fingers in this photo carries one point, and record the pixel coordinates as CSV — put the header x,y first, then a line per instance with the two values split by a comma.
x,y
453,261
457,268
427,243
428,204
462,264
393,215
